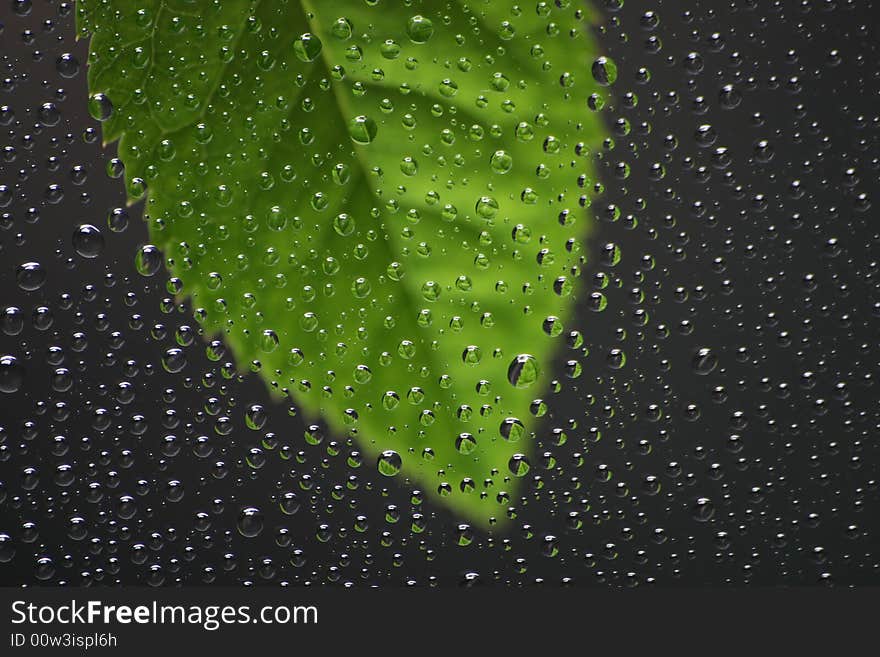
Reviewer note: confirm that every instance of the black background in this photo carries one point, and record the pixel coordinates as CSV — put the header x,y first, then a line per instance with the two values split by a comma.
x,y
718,257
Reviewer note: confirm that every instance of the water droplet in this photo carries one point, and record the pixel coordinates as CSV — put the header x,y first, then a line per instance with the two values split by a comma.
x,y
344,224
472,355
362,129
604,71
11,374
88,241
390,49
7,548
341,28
67,65
30,276
117,220
518,465
487,207
431,290
465,443
268,341
616,359
448,88
409,166
419,29
523,371
512,429
704,361
12,320
361,288
250,522
174,360
148,260
100,107
307,47
49,114
501,162
703,509
389,463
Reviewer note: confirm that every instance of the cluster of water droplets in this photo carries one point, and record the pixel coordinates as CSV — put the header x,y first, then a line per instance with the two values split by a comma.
x,y
715,406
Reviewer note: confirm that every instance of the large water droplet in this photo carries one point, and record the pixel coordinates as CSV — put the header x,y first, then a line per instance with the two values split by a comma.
x,y
523,371
419,29
362,129
11,374
250,522
604,71
88,241
31,276
307,47
389,463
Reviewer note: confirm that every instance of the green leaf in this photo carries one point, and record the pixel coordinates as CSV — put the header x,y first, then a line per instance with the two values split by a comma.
x,y
375,203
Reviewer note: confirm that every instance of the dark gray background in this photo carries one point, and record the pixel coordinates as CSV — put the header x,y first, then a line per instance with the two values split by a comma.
x,y
792,498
